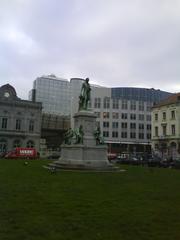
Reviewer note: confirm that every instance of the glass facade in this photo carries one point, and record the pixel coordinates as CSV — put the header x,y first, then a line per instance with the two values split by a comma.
x,y
139,94
54,93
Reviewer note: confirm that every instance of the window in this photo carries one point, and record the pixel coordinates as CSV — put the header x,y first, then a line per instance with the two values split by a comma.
x,y
4,123
148,135
30,144
97,103
133,116
124,115
115,104
18,124
173,114
16,143
114,124
141,106
115,134
124,125
124,134
148,126
105,124
141,126
132,135
164,130
105,134
133,125
133,105
115,115
173,129
148,117
31,126
148,107
141,117
124,104
156,132
141,135
164,115
105,114
156,116
106,102
98,114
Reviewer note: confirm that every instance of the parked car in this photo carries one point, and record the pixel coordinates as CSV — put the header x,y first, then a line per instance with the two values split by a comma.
x,y
112,156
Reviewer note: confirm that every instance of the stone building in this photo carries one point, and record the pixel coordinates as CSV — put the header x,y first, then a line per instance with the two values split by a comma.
x,y
166,127
20,121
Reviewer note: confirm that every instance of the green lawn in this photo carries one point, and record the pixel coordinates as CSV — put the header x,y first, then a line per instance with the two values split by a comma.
x,y
140,203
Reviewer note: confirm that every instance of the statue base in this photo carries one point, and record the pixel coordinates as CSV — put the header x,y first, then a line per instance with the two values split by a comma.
x,y
87,155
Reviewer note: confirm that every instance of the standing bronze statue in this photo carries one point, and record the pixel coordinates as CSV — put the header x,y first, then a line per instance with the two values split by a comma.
x,y
84,95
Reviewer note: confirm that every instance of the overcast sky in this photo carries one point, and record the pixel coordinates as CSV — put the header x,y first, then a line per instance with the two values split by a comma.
x,y
132,43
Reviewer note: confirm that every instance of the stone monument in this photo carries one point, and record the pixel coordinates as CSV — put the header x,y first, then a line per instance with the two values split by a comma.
x,y
84,147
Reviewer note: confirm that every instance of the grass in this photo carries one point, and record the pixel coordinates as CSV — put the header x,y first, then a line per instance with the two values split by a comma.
x,y
140,203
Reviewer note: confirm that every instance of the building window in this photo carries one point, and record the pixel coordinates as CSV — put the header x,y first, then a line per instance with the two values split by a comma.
x,y
124,104
105,114
173,114
141,106
124,125
114,124
115,115
106,102
105,124
132,135
4,123
133,125
115,134
3,145
31,126
115,104
141,117
141,135
141,126
156,132
156,116
148,135
123,134
105,134
98,114
148,107
164,130
97,103
148,127
164,115
124,115
30,144
148,117
133,116
173,129
16,143
133,105
18,124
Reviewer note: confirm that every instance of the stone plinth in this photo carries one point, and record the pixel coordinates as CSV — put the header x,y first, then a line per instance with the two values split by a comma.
x,y
87,155
88,121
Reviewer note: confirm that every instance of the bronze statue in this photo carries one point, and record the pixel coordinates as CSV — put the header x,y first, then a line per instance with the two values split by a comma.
x,y
84,95
68,136
79,134
98,137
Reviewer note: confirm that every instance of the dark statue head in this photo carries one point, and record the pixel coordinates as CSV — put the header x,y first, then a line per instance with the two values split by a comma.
x,y
87,79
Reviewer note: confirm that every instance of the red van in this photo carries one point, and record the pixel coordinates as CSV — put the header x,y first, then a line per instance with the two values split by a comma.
x,y
28,153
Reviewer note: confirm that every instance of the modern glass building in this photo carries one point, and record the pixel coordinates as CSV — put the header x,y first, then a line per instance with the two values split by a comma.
x,y
53,92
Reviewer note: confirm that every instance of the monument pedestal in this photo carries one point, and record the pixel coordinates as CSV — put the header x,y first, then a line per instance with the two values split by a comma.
x,y
87,155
